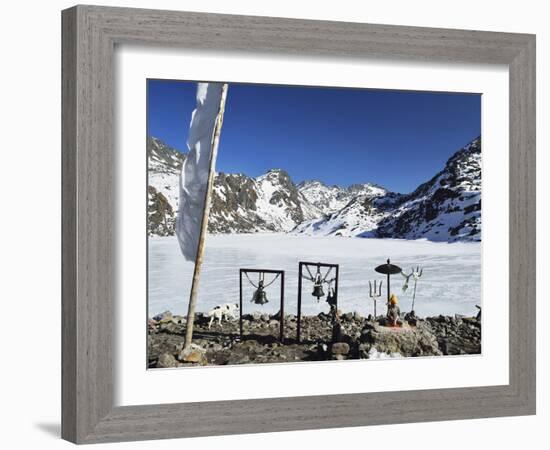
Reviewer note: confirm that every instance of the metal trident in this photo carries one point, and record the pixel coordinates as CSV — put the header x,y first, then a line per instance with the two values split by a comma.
x,y
375,293
415,274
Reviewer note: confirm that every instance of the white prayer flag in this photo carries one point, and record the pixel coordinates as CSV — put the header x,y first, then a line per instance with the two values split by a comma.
x,y
197,166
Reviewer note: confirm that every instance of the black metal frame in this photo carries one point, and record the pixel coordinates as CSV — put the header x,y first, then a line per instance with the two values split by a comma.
x,y
301,264
282,295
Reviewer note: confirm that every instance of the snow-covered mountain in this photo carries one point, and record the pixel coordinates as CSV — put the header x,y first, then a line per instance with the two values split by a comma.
x,y
331,199
358,217
446,208
348,211
240,204
270,202
163,169
326,199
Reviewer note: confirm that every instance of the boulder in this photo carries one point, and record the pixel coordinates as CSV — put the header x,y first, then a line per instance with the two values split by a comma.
x,y
166,360
169,327
321,316
166,316
404,340
340,348
348,316
193,354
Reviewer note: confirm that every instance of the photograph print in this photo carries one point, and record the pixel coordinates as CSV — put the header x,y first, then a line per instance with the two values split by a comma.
x,y
293,224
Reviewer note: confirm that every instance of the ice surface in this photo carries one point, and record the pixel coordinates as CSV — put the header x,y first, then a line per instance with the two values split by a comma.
x,y
451,282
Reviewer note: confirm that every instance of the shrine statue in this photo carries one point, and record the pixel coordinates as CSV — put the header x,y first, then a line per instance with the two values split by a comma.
x,y
393,311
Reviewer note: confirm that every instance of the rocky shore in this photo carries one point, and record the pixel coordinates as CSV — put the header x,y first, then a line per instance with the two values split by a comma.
x,y
356,337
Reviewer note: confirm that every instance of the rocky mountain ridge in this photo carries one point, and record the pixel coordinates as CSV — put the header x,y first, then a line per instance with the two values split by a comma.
x,y
270,202
445,208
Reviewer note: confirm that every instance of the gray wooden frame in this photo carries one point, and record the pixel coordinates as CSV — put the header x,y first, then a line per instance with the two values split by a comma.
x,y
89,37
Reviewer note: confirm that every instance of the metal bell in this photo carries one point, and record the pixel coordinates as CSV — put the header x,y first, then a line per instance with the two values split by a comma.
x,y
318,291
318,286
260,296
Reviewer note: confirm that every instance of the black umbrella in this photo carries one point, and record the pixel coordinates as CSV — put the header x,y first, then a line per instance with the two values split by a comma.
x,y
388,269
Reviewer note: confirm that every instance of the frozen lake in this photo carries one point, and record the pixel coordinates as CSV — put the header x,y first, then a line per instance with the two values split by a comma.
x,y
451,282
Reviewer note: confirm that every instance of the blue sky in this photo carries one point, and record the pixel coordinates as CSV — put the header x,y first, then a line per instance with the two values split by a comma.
x,y
397,139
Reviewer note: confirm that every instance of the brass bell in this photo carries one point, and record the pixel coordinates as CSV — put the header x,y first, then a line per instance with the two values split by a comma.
x,y
318,288
260,296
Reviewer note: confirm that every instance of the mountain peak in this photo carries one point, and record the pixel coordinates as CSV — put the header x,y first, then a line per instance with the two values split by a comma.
x,y
276,175
445,208
309,183
162,158
370,189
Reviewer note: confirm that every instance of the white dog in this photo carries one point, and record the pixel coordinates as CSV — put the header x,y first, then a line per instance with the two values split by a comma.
x,y
228,310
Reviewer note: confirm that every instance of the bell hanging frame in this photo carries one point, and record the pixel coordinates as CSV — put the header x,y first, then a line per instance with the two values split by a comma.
x,y
279,274
301,276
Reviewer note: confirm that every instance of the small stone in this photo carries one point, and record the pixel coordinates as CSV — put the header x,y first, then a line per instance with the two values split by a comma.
x,y
193,354
169,327
195,357
166,360
322,316
368,326
215,347
166,316
348,316
152,325
340,348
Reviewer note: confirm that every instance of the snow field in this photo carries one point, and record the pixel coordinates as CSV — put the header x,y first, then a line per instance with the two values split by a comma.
x,y
451,283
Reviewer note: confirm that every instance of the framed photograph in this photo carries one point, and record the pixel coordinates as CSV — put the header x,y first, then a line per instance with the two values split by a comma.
x,y
346,207
287,194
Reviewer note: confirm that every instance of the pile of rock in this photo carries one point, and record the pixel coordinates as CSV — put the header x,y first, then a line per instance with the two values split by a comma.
x,y
457,335
357,338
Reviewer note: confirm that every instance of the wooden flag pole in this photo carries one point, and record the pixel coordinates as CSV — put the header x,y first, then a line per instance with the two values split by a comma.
x,y
204,222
